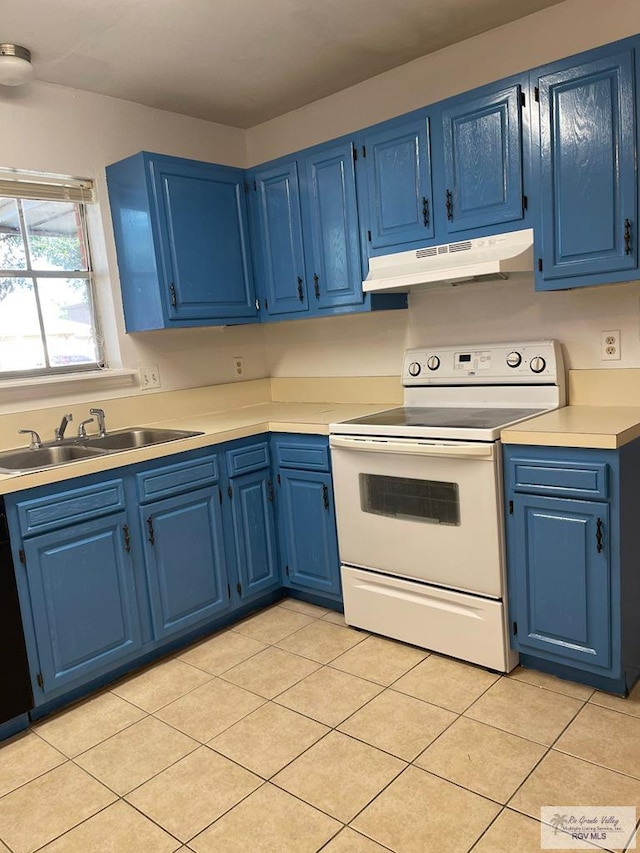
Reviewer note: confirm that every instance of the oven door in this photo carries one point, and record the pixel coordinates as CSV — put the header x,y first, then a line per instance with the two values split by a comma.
x,y
423,509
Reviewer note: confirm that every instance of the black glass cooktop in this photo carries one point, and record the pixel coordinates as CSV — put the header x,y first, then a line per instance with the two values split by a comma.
x,y
456,418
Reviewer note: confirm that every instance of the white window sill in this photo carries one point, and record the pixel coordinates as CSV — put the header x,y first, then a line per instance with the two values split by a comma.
x,y
50,386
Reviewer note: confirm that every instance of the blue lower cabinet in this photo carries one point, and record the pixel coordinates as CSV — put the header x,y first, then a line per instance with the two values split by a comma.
x,y
83,600
573,540
561,577
185,561
254,533
114,572
310,544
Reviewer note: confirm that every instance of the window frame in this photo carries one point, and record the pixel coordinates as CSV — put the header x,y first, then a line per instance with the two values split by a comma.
x,y
27,186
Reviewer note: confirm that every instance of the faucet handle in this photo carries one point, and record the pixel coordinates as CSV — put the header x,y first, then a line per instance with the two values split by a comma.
x,y
82,428
36,441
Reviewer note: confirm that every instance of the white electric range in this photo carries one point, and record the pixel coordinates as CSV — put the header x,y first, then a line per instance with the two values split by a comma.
x,y
418,493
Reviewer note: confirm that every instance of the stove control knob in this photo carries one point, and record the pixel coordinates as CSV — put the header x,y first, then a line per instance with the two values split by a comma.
x,y
414,368
537,364
514,359
433,362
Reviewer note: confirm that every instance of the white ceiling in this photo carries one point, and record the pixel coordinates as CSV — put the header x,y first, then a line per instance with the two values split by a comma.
x,y
238,62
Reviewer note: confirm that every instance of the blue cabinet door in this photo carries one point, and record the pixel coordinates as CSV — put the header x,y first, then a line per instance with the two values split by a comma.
x,y
588,169
334,268
205,241
83,600
560,577
482,139
278,225
254,532
398,164
184,557
310,547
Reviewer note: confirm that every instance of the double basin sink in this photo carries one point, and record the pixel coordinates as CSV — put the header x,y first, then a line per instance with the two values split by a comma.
x,y
75,449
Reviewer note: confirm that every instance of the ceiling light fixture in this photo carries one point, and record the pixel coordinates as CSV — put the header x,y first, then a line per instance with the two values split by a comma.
x,y
15,65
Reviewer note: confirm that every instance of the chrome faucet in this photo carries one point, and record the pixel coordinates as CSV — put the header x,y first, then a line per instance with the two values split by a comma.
x,y
60,431
35,438
82,429
99,413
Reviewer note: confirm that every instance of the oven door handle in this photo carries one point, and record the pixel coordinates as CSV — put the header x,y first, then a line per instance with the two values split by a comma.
x,y
415,448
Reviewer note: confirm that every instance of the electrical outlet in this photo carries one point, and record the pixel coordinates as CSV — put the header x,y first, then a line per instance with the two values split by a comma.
x,y
238,367
610,346
149,377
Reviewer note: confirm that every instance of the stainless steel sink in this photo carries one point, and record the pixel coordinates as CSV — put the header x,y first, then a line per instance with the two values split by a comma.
x,y
128,439
12,461
72,450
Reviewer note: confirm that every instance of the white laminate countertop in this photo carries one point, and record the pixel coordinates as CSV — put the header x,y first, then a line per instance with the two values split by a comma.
x,y
216,427
599,427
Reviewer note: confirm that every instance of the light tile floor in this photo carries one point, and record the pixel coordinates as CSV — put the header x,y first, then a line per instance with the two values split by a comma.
x,y
292,732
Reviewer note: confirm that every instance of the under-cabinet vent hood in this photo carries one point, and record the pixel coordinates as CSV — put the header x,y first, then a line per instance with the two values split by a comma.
x,y
452,263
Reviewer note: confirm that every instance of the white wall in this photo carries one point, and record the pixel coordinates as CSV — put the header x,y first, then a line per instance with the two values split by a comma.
x,y
54,129
373,345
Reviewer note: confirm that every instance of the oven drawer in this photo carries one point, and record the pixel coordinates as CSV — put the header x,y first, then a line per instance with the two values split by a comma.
x,y
573,479
453,623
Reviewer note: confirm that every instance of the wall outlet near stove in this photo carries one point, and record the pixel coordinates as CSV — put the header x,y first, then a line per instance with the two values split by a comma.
x,y
610,346
149,377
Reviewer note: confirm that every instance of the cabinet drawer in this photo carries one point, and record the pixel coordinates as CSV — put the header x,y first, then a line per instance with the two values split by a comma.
x,y
241,460
173,479
61,510
303,453
576,479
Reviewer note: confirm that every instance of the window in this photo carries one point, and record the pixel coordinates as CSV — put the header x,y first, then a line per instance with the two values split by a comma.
x,y
48,320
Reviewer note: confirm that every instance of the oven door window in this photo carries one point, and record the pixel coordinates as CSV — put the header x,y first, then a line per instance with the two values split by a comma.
x,y
429,501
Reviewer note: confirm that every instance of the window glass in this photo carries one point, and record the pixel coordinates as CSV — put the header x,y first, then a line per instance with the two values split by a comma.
x,y
47,311
12,254
55,235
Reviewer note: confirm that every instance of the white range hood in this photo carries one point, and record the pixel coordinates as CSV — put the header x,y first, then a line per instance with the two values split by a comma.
x,y
452,263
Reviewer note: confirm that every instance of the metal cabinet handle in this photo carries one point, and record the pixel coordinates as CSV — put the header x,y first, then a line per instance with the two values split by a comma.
x,y
425,211
449,204
599,536
152,537
325,496
627,236
270,490
172,295
127,538
300,293
316,285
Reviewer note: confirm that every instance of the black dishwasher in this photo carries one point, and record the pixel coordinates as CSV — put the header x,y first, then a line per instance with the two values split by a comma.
x,y
16,697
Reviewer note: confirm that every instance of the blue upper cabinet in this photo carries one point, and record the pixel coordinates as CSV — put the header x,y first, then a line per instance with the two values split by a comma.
x,y
398,168
308,239
587,171
482,139
280,267
331,227
182,240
